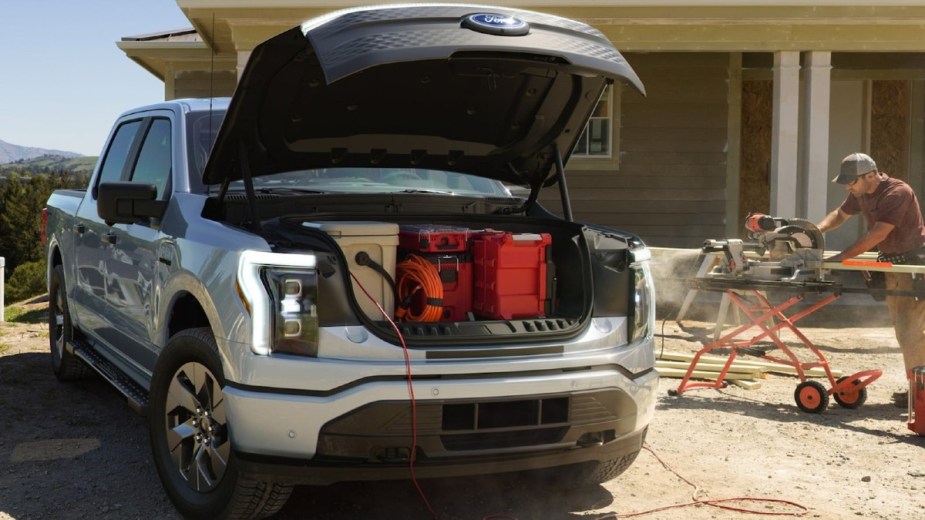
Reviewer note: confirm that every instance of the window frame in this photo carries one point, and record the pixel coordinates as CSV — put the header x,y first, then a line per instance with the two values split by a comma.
x,y
579,161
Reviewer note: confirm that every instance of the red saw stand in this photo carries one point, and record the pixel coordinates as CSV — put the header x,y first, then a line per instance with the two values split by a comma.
x,y
811,396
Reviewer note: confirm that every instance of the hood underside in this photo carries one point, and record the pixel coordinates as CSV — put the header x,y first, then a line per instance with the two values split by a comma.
x,y
487,91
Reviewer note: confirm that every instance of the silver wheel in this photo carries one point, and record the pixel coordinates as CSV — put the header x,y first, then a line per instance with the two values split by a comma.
x,y
196,429
57,328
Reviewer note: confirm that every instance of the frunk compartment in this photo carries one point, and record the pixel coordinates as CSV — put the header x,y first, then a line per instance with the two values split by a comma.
x,y
513,275
379,242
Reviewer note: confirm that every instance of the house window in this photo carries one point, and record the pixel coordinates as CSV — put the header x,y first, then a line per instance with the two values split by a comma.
x,y
597,141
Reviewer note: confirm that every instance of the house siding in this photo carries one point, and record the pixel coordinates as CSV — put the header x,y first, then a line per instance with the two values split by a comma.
x,y
670,188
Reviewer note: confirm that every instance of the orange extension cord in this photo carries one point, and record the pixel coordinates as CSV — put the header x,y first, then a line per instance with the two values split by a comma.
x,y
417,274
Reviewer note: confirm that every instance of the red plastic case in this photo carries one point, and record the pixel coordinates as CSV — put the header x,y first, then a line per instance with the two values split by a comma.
x,y
917,400
511,277
456,275
433,239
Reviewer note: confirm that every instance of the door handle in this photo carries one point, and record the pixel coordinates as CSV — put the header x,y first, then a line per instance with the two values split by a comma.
x,y
80,229
109,238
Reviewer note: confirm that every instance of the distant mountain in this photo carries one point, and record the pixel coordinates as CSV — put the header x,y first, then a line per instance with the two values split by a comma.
x,y
12,152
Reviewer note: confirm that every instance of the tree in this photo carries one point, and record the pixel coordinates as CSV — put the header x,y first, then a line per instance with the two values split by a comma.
x,y
22,199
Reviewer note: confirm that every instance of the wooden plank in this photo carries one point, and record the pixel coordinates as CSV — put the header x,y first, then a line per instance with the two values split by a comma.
x,y
675,373
765,366
746,384
708,367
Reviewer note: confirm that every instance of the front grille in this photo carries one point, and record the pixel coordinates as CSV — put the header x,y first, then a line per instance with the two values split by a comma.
x,y
501,440
505,414
451,428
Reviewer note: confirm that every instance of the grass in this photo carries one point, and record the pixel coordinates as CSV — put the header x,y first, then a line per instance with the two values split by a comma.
x,y
17,314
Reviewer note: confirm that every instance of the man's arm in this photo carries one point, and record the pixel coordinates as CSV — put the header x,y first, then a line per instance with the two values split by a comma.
x,y
833,220
870,239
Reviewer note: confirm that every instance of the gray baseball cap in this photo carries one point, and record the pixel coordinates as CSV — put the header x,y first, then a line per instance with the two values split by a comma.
x,y
854,166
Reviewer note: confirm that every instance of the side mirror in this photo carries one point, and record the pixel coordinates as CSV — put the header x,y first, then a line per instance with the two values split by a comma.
x,y
128,202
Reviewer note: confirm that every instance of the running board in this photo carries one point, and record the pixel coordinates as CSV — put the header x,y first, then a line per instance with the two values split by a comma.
x,y
136,396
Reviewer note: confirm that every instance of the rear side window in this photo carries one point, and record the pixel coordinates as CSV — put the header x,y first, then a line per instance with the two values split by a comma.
x,y
154,159
114,164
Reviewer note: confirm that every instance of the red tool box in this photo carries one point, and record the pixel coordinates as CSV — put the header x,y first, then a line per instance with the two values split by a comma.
x,y
456,274
447,249
511,276
917,400
433,239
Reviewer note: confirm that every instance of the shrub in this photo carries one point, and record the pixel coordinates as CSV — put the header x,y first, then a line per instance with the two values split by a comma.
x,y
27,280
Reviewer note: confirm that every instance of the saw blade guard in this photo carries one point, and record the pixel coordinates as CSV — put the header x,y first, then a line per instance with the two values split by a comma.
x,y
781,237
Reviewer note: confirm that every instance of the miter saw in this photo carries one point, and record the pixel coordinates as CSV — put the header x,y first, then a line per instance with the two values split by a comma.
x,y
776,249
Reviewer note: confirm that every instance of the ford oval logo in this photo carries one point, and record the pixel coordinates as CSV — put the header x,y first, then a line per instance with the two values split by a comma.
x,y
494,23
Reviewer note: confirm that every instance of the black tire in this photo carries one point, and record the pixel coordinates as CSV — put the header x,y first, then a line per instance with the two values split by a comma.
x,y
190,438
67,366
850,400
811,396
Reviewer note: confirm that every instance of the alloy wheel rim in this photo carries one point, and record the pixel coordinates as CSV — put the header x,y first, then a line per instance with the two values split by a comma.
x,y
197,433
58,325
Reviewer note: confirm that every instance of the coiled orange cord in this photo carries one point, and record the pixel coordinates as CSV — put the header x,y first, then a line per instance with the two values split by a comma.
x,y
417,274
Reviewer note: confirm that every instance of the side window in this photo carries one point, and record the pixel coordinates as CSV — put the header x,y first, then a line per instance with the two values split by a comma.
x,y
154,159
113,167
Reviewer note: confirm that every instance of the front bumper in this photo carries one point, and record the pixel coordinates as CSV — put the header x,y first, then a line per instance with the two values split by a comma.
x,y
465,425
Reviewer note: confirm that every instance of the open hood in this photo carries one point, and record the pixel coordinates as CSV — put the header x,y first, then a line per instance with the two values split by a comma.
x,y
487,91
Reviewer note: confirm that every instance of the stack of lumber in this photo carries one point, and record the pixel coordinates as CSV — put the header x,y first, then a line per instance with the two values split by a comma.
x,y
745,373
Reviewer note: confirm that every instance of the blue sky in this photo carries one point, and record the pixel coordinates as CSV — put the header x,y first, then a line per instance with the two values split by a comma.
x,y
63,81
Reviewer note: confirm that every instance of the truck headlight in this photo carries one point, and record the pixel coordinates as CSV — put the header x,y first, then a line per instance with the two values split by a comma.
x,y
281,293
643,303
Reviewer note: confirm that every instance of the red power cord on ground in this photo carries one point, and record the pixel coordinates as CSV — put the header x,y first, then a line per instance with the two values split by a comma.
x,y
719,502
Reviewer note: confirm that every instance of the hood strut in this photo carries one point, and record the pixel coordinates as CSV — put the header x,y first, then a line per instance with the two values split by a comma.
x,y
249,188
563,187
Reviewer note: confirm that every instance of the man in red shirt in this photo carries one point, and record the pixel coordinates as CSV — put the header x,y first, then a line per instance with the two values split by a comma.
x,y
894,228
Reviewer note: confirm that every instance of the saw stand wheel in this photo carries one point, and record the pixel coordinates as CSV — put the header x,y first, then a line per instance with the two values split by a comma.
x,y
851,391
811,396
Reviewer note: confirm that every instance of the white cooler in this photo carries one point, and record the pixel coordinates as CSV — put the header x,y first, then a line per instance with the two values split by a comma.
x,y
379,240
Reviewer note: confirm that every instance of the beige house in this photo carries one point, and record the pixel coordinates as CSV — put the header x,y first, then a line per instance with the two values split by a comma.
x,y
751,104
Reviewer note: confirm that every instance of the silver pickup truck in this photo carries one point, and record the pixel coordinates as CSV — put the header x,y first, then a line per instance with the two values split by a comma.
x,y
327,277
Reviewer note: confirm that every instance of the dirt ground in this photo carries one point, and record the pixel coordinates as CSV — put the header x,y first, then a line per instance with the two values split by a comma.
x,y
77,451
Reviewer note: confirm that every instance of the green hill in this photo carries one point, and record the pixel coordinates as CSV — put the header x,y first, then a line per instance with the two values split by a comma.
x,y
50,163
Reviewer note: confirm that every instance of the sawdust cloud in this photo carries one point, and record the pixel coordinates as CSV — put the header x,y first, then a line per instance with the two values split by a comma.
x,y
673,270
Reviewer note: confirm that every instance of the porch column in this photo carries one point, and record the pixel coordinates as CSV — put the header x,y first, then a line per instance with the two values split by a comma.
x,y
784,134
170,83
815,140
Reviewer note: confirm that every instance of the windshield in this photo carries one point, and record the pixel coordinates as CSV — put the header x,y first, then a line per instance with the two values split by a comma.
x,y
379,180
203,128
